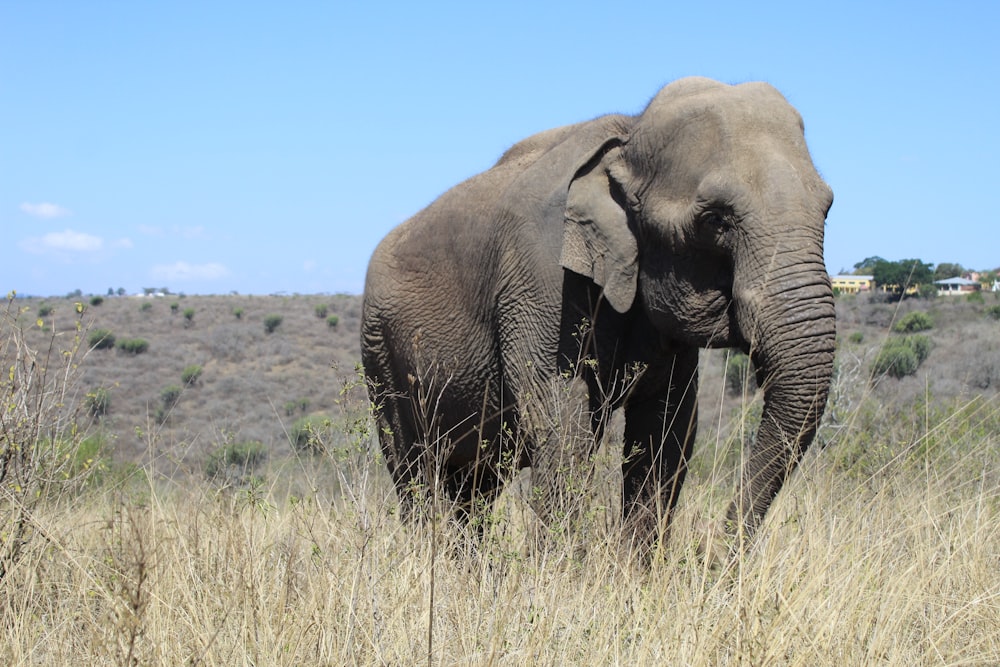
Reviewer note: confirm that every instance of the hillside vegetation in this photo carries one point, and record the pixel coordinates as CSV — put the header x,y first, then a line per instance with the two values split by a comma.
x,y
144,526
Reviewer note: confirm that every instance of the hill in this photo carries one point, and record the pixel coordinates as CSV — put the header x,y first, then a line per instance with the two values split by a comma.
x,y
254,385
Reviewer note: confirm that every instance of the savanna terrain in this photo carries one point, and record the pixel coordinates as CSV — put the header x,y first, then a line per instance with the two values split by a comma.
x,y
213,497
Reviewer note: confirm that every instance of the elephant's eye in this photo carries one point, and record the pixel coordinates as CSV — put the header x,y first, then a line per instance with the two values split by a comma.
x,y
717,217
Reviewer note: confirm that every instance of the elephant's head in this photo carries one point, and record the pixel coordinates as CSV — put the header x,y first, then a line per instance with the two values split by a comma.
x,y
709,214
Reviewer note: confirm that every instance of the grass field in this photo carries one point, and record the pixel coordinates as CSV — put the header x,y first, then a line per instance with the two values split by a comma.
x,y
884,548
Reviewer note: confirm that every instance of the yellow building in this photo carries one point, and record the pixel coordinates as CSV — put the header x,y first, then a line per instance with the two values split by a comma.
x,y
852,284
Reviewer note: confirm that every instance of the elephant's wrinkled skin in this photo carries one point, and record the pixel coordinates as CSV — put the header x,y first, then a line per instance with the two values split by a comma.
x,y
588,251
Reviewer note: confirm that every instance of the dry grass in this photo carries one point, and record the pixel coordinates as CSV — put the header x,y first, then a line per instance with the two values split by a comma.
x,y
883,549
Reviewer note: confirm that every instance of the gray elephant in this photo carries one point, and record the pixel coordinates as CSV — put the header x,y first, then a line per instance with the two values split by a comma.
x,y
582,272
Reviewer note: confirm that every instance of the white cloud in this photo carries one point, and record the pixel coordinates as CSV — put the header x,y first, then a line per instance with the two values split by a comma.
x,y
45,210
183,271
150,230
123,243
65,241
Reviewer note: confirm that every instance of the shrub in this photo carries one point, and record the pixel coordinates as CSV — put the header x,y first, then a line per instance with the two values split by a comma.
x,y
913,322
170,395
96,300
189,316
856,337
272,322
238,313
235,461
133,345
175,307
975,297
994,312
902,356
321,310
332,321
98,402
44,310
191,375
896,360
101,339
739,374
307,434
145,307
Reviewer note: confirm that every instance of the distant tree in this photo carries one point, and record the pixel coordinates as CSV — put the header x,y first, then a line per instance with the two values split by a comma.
x,y
867,265
121,291
896,277
946,270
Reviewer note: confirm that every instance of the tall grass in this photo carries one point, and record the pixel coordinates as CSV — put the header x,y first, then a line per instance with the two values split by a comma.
x,y
882,549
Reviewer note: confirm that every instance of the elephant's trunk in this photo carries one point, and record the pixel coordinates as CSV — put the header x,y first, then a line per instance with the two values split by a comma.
x,y
788,319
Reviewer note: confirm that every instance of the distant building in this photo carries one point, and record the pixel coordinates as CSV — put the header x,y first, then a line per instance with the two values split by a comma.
x,y
852,284
954,286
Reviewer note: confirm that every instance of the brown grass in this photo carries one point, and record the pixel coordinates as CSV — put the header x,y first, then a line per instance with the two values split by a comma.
x,y
881,550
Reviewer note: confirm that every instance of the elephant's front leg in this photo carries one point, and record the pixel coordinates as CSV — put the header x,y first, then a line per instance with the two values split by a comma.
x,y
660,427
561,444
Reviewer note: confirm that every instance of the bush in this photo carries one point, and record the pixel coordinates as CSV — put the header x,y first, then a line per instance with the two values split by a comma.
x,y
133,345
902,356
98,402
175,307
191,375
96,300
145,307
856,337
307,434
913,322
101,339
272,322
44,310
234,462
332,321
189,316
238,313
975,297
739,374
170,395
994,312
321,310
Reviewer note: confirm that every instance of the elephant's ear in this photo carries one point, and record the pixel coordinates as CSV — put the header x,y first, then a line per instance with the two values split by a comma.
x,y
597,241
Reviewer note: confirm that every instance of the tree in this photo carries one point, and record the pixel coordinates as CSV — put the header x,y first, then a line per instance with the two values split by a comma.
x,y
867,265
897,277
946,270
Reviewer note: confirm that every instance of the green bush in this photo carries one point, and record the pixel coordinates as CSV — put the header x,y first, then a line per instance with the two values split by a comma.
x,y
272,322
145,307
994,312
332,321
321,310
96,300
235,461
44,310
975,297
238,313
902,356
307,434
101,339
98,402
175,307
191,375
189,315
170,395
133,345
856,337
739,374
913,322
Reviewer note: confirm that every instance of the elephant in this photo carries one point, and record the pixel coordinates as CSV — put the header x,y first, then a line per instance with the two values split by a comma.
x,y
582,273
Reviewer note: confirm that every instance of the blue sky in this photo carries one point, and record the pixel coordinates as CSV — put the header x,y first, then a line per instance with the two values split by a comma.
x,y
209,147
